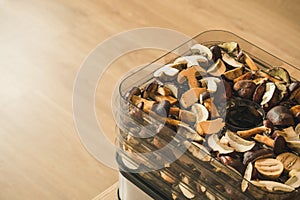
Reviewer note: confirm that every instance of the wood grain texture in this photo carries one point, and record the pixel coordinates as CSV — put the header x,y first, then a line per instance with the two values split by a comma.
x,y
43,44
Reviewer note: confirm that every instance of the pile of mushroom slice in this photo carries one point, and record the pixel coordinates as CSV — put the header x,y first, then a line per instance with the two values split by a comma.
x,y
186,93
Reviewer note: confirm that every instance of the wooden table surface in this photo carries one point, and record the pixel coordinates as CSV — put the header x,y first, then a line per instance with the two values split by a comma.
x,y
43,44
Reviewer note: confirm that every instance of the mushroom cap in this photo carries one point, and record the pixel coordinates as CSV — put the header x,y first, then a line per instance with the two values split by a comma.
x,y
281,116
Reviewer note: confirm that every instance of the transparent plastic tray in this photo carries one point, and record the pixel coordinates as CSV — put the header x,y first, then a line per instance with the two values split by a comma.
x,y
200,179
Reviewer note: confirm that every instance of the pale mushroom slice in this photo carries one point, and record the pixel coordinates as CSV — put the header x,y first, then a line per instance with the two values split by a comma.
x,y
294,180
210,126
193,60
239,144
272,186
166,73
202,50
215,144
200,111
211,83
231,61
247,177
270,90
269,167
289,160
217,69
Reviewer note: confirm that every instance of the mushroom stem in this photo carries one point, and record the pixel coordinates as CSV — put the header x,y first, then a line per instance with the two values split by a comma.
x,y
264,139
250,132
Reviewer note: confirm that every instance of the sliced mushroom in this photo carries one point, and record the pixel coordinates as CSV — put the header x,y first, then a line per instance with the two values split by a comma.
x,y
289,134
202,50
281,116
234,73
187,116
247,177
289,160
192,60
259,93
239,144
245,76
211,107
217,69
215,144
272,186
147,104
200,111
253,155
250,63
166,73
245,88
280,73
173,88
294,145
269,92
296,112
231,61
190,75
211,83
294,180
209,126
250,132
269,167
230,47
191,96
151,91
278,144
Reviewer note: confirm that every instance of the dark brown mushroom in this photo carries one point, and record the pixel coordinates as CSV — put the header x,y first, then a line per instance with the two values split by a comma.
x,y
281,116
245,88
251,156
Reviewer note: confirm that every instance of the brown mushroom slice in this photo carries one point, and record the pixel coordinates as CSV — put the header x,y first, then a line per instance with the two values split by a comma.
x,y
239,144
250,63
259,93
247,177
289,160
280,73
209,126
173,88
215,144
187,116
217,69
251,156
234,73
190,74
231,61
202,50
269,167
245,88
191,96
211,107
245,76
272,186
250,132
148,104
294,180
